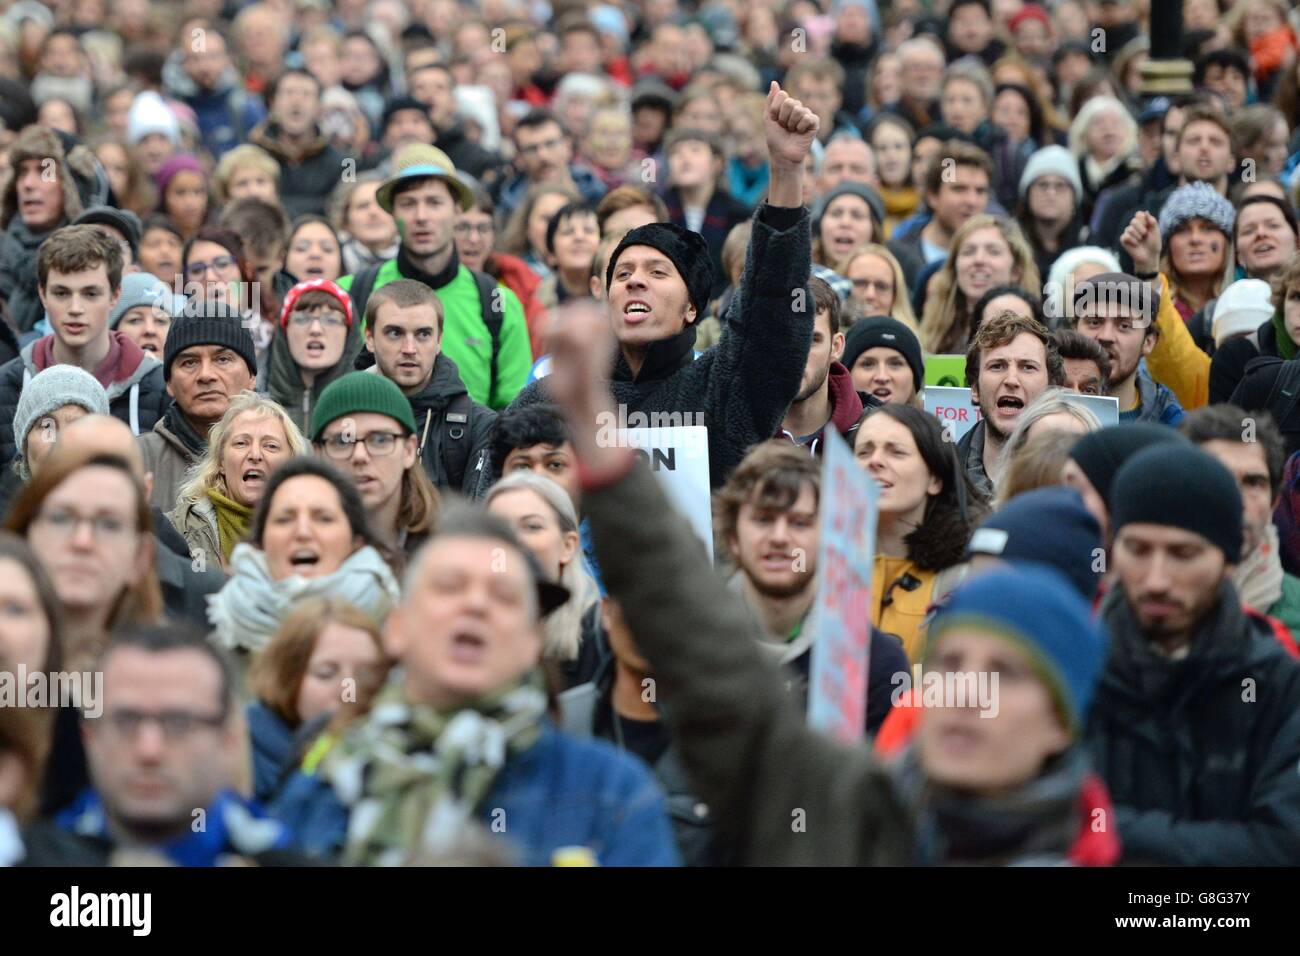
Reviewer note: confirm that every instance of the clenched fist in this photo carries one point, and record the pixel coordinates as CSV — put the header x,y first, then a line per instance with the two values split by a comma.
x,y
1141,240
789,127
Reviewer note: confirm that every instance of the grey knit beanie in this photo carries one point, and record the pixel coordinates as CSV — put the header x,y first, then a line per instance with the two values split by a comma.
x,y
48,391
1195,201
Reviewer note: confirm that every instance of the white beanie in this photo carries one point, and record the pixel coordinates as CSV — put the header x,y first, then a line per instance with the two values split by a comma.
x,y
1057,299
1052,161
150,114
1244,306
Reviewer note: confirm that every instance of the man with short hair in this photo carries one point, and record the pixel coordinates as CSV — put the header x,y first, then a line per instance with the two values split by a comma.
x,y
164,752
1226,72
203,76
121,225
848,158
40,195
535,438
208,359
544,155
1010,361
1116,311
818,83
434,85
405,120
1194,728
657,288
485,333
826,394
79,275
767,518
625,207
404,330
921,62
1251,448
262,36
467,638
1087,366
310,166
956,188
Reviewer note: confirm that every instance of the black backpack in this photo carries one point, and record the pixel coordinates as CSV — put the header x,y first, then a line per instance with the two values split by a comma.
x,y
489,307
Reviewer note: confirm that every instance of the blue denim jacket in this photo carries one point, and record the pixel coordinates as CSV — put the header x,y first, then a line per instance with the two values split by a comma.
x,y
561,792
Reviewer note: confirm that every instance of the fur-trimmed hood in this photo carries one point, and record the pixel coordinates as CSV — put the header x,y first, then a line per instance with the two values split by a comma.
x,y
83,180
940,542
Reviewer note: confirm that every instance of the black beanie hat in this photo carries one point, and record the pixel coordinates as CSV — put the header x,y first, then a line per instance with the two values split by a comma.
x,y
880,331
1179,486
210,324
685,249
1100,454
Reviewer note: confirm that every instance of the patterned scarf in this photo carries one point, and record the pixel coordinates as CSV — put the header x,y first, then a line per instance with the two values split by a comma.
x,y
414,776
232,521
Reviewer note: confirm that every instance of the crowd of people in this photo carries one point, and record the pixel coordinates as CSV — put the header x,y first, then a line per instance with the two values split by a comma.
x,y
313,314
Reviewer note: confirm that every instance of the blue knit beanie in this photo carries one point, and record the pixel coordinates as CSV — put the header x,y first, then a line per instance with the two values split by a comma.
x,y
1014,533
1037,610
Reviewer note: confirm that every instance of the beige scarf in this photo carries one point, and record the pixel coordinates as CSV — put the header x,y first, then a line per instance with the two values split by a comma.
x,y
1259,576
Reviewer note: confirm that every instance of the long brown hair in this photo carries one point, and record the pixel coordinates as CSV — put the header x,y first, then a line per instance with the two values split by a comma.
x,y
142,602
16,549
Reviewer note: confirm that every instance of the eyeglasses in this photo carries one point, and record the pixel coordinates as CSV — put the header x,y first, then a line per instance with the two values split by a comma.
x,y
536,148
176,725
1051,186
63,523
483,228
377,443
328,320
218,265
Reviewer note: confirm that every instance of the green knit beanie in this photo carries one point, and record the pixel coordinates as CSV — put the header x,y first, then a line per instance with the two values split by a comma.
x,y
361,392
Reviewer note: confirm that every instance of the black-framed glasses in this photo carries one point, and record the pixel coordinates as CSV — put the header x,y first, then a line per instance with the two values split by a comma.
x,y
176,725
482,228
342,448
64,522
219,264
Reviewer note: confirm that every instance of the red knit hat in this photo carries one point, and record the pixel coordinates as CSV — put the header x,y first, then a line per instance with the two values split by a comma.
x,y
316,285
1030,11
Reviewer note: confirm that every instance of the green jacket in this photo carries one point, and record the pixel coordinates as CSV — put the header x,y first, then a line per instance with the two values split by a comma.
x,y
464,336
1287,607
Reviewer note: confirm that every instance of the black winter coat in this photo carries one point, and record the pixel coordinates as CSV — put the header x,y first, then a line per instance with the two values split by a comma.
x,y
1228,364
1200,754
741,387
429,407
307,180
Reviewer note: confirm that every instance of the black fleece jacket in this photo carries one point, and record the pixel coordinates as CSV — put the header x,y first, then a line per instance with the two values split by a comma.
x,y
429,406
743,385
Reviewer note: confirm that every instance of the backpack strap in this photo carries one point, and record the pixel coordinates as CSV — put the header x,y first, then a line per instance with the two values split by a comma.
x,y
362,285
1285,393
492,309
454,450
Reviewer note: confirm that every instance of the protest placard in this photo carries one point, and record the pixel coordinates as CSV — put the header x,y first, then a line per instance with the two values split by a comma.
x,y
954,408
679,458
837,683
946,370
1105,407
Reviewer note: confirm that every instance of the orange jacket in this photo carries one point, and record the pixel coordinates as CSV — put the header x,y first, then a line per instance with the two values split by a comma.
x,y
514,274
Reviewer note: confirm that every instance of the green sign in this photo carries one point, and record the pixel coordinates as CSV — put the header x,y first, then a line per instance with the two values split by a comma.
x,y
948,371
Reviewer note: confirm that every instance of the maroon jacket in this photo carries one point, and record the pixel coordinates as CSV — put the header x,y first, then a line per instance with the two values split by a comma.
x,y
846,408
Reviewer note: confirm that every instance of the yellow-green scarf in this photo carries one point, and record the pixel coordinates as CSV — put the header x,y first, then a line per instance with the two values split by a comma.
x,y
232,521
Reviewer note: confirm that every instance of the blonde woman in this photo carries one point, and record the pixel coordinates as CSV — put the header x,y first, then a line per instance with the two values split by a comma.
x,y
879,286
985,252
246,171
221,490
542,514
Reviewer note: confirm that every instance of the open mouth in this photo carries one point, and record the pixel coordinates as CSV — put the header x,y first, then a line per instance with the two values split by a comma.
x,y
1010,403
636,311
149,346
884,391
304,559
253,478
467,647
74,328
315,271
315,348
